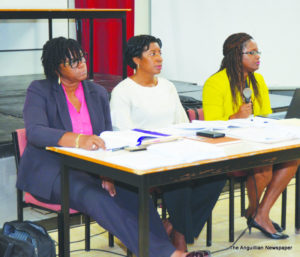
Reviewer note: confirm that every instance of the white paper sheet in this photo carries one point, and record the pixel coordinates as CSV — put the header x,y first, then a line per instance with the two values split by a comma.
x,y
157,155
115,139
270,134
187,150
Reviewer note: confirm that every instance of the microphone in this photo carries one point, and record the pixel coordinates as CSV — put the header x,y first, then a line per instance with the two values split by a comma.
x,y
247,92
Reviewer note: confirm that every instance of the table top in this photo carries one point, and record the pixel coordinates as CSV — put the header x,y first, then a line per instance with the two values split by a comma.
x,y
67,10
62,13
236,150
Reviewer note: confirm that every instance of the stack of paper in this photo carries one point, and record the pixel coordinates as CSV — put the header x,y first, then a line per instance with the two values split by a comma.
x,y
157,155
187,150
270,134
115,139
165,154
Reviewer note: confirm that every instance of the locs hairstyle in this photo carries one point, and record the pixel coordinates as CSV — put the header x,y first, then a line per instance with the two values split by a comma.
x,y
232,61
55,52
136,46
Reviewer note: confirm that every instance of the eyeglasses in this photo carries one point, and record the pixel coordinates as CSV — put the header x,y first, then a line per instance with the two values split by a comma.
x,y
73,63
253,53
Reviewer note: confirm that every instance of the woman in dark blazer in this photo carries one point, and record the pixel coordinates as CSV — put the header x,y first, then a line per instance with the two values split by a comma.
x,y
65,110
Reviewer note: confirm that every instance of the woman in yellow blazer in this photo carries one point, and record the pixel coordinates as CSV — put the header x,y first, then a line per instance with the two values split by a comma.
x,y
218,102
223,99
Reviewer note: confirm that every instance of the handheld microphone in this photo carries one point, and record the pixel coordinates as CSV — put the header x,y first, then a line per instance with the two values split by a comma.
x,y
247,92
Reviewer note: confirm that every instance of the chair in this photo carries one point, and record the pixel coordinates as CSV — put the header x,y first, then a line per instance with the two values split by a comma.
x,y
25,199
197,114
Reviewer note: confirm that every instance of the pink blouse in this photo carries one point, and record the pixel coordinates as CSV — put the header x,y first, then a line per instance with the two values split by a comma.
x,y
81,122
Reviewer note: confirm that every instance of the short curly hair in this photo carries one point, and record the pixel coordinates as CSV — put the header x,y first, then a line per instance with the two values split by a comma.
x,y
56,51
136,46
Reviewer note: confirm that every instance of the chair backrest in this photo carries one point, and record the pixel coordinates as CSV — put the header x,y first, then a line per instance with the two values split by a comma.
x,y
20,142
195,114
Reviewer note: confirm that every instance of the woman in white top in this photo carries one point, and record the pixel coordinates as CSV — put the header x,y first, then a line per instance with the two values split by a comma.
x,y
145,101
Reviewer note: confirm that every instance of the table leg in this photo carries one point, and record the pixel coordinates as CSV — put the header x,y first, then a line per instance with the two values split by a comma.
x,y
65,211
231,209
143,218
124,36
79,30
91,68
297,214
50,28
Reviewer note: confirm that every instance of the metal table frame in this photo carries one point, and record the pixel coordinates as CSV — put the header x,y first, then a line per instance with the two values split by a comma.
x,y
78,15
173,175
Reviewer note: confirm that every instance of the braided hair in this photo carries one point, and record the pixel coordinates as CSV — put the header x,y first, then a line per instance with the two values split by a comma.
x,y
57,51
232,61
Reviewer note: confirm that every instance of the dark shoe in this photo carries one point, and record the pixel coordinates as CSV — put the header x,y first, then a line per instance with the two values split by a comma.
x,y
178,241
199,254
254,224
276,226
168,226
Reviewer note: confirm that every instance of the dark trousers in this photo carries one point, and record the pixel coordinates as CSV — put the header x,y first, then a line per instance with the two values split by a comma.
x,y
190,204
118,214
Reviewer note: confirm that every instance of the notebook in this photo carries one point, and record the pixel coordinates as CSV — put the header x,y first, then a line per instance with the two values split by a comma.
x,y
294,108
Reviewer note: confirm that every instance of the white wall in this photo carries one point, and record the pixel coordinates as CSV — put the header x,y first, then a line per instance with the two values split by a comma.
x,y
142,17
193,33
27,34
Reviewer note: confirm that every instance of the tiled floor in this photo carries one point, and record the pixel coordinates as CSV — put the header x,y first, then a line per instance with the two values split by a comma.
x,y
254,245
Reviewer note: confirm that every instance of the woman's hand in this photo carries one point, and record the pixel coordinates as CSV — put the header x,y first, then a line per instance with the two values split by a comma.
x,y
87,142
244,112
91,142
109,186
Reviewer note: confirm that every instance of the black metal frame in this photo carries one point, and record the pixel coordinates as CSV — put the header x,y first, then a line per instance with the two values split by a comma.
x,y
76,14
146,181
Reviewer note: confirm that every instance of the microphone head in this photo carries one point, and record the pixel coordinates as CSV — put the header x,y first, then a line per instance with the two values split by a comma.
x,y
247,92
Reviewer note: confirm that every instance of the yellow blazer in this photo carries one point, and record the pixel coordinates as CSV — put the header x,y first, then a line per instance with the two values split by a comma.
x,y
217,98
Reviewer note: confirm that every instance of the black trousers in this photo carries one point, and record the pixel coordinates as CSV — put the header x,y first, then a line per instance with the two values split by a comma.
x,y
118,214
190,204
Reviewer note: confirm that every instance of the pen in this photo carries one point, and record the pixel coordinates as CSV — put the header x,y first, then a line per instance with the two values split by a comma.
x,y
161,140
118,148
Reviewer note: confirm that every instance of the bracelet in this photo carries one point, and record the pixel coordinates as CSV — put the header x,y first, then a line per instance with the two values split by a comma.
x,y
77,141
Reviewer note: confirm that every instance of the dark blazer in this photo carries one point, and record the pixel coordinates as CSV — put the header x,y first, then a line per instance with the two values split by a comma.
x,y
46,117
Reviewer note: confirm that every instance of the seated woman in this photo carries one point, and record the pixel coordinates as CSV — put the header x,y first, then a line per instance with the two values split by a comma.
x,y
223,100
67,110
145,101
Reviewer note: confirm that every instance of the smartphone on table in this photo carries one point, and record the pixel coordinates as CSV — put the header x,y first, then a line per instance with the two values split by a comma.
x,y
210,133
